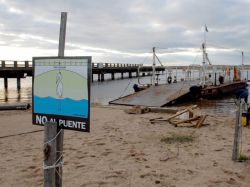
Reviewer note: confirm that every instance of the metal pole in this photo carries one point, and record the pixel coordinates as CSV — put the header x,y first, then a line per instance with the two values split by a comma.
x,y
153,68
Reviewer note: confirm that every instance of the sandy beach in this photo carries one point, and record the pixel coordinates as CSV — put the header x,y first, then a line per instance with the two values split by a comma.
x,y
126,150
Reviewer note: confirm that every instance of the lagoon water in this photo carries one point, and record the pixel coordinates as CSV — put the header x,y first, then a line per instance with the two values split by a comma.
x,y
103,92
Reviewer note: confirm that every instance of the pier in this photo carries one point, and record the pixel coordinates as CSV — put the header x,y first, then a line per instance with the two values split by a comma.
x,y
22,69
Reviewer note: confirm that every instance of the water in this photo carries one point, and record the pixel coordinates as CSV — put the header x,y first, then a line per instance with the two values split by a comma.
x,y
63,107
103,92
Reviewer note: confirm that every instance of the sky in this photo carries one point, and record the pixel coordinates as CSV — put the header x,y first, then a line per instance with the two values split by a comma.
x,y
125,31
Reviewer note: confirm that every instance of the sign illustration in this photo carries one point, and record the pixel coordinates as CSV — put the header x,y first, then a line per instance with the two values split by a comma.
x,y
61,91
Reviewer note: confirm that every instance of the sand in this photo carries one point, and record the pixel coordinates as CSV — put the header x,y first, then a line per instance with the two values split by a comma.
x,y
126,150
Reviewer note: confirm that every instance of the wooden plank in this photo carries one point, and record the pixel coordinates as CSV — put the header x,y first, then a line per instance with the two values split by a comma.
x,y
201,121
185,120
182,112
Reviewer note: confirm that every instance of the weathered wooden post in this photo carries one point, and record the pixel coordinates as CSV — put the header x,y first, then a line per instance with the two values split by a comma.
x,y
59,142
54,173
102,76
99,77
49,154
18,83
130,74
5,82
237,133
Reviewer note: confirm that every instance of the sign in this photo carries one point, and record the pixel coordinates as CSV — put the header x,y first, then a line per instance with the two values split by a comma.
x,y
61,92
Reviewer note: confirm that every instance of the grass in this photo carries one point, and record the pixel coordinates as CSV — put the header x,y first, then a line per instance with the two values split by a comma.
x,y
175,138
243,157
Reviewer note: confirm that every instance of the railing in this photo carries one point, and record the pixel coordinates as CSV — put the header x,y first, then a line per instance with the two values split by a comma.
x,y
15,64
28,64
112,65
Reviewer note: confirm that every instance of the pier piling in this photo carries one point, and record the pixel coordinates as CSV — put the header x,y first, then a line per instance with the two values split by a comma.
x,y
5,82
18,83
102,77
130,74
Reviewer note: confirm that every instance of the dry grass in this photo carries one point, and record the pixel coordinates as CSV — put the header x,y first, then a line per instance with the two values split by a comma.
x,y
176,138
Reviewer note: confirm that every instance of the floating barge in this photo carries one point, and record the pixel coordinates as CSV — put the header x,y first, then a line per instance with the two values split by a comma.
x,y
175,93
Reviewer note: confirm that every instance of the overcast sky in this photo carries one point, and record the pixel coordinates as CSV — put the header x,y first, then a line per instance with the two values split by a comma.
x,y
124,31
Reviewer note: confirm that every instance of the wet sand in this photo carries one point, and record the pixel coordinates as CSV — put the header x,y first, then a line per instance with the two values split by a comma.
x,y
126,150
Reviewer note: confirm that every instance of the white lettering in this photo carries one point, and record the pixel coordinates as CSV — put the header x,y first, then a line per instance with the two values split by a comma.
x,y
53,120
61,122
44,120
41,119
38,119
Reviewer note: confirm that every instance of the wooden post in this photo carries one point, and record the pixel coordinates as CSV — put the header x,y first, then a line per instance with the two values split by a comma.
x,y
130,74
237,133
49,154
215,79
102,76
5,82
18,83
59,140
62,34
99,75
137,74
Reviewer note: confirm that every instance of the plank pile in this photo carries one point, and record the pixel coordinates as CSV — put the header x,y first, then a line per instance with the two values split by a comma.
x,y
192,117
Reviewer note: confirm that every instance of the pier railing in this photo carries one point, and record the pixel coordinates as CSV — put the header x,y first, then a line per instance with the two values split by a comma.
x,y
21,69
15,64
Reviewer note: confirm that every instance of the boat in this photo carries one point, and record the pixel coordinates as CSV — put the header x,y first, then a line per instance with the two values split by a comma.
x,y
219,88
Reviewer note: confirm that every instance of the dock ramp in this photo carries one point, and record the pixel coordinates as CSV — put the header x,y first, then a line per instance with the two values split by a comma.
x,y
157,96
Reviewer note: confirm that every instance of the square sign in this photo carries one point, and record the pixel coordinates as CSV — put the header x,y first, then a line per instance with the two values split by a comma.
x,y
61,92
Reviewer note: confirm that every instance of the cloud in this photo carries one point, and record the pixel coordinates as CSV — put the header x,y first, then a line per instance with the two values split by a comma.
x,y
126,31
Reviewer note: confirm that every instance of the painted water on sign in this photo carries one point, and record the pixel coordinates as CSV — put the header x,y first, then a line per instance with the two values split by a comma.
x,y
64,107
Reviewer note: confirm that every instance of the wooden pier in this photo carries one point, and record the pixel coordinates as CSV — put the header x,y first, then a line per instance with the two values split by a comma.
x,y
21,69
